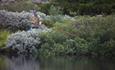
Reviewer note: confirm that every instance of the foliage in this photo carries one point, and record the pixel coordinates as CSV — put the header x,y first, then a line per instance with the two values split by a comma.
x,y
67,36
19,6
14,21
69,7
98,31
3,37
51,20
87,35
53,44
26,41
54,10
85,7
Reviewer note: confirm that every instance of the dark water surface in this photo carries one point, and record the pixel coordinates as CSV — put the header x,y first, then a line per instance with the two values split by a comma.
x,y
58,63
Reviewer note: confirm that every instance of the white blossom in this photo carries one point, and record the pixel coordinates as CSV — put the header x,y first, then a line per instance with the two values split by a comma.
x,y
25,41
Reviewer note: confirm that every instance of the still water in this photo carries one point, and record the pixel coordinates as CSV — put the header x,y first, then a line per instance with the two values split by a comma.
x,y
58,63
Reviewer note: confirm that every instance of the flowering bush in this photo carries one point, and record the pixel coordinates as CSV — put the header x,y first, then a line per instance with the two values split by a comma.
x,y
25,42
14,21
21,21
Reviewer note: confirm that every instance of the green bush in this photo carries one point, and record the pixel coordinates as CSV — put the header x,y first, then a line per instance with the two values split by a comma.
x,y
44,8
25,5
98,32
3,38
87,35
52,43
51,21
74,7
85,7
54,10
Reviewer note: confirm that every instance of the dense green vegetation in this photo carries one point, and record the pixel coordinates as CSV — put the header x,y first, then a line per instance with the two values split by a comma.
x,y
85,7
78,35
84,35
20,5
70,7
3,37
87,35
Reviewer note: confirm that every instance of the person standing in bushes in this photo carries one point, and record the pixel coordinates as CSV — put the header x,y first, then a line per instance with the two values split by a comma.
x,y
36,21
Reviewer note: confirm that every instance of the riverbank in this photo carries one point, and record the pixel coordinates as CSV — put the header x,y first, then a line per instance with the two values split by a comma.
x,y
79,35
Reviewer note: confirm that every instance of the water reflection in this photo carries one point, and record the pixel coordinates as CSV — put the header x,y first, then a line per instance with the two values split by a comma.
x,y
79,63
22,63
65,63
3,65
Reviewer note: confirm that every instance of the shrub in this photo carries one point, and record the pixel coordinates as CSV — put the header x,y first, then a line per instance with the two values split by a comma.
x,y
97,31
87,35
21,20
57,43
14,21
85,7
25,42
50,43
19,6
54,10
51,20
3,38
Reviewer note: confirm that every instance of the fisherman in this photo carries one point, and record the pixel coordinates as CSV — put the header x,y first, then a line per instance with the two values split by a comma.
x,y
36,20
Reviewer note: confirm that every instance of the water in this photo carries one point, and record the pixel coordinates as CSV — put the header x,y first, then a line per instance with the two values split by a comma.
x,y
57,63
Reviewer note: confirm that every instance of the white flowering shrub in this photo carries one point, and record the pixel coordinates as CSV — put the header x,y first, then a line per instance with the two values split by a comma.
x,y
14,21
21,20
25,41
